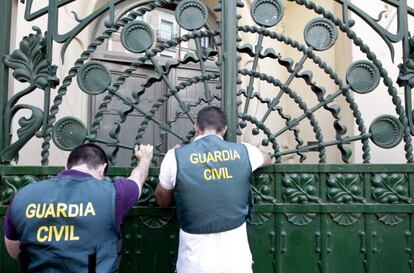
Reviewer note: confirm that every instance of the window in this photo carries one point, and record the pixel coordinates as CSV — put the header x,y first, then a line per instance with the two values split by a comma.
x,y
206,42
166,30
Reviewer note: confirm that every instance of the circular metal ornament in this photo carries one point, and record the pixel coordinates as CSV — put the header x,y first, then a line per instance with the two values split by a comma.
x,y
267,13
363,77
320,34
68,133
93,78
386,131
191,14
137,36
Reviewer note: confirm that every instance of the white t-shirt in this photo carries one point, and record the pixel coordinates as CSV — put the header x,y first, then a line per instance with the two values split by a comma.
x,y
224,252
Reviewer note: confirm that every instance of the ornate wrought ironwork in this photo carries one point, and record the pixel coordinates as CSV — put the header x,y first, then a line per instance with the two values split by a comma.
x,y
320,34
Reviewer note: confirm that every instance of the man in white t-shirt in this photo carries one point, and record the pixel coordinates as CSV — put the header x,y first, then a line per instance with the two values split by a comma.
x,y
210,182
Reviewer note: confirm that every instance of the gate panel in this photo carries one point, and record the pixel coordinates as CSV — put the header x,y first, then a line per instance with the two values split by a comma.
x,y
346,246
390,243
265,245
301,246
331,234
264,228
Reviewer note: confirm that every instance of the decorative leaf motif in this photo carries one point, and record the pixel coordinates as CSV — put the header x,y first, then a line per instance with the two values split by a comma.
x,y
390,219
345,219
262,191
345,188
406,76
155,222
390,188
300,188
257,219
300,219
30,64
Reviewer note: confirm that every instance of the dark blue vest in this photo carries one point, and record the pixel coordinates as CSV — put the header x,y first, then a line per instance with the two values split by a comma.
x,y
67,225
212,191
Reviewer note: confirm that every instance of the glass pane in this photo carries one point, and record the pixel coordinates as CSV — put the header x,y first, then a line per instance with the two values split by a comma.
x,y
166,30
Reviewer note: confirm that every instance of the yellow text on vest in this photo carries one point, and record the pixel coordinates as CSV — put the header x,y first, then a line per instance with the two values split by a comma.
x,y
216,174
221,173
54,233
58,210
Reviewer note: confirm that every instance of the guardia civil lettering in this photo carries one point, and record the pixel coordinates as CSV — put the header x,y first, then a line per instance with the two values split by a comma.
x,y
58,210
216,156
220,172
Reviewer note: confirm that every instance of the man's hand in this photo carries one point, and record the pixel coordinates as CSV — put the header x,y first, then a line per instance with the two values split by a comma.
x,y
143,152
267,160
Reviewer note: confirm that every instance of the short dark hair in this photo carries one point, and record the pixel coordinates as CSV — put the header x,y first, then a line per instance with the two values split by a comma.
x,y
90,154
211,117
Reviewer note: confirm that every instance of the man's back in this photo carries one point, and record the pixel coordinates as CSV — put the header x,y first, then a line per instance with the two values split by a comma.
x,y
55,220
210,182
212,192
227,250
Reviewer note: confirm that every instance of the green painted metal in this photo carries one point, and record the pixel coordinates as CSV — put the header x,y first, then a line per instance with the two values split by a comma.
x,y
5,28
307,218
229,65
320,34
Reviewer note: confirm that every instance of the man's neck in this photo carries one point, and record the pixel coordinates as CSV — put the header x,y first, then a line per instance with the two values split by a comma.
x,y
210,133
200,136
84,168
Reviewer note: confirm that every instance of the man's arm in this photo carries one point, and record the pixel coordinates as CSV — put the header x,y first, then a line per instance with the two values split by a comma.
x,y
267,160
11,239
258,158
139,174
13,247
168,173
164,197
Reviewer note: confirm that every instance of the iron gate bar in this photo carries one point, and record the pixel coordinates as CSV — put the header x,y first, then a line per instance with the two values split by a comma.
x,y
229,19
5,28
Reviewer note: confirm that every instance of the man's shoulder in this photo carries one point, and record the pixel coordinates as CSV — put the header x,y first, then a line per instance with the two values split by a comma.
x,y
30,190
33,185
171,153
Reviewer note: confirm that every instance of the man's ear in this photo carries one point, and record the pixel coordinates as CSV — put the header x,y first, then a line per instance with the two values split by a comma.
x,y
223,132
102,168
197,129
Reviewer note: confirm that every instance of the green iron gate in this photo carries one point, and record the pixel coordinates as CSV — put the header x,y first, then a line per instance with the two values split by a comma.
x,y
307,217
